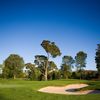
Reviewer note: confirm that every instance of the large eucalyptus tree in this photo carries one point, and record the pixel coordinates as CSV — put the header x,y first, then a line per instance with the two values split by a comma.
x,y
51,49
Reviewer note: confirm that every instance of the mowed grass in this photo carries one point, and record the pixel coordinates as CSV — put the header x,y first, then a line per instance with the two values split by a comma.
x,y
27,90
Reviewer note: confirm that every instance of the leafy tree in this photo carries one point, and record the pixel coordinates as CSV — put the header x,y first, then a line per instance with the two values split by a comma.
x,y
40,61
1,67
74,75
80,60
67,64
97,60
52,66
51,49
31,71
13,66
53,75
53,72
68,60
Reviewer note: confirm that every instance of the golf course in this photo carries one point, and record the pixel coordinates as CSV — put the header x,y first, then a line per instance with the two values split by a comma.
x,y
28,90
49,49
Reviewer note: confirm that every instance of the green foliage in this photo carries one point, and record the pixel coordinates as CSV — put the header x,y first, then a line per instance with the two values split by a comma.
x,y
54,75
52,66
41,61
67,64
86,74
1,65
68,60
65,71
97,59
31,71
51,48
80,60
89,75
53,72
13,66
74,75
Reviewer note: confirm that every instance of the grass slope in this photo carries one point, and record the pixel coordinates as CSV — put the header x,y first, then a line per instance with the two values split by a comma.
x,y
27,90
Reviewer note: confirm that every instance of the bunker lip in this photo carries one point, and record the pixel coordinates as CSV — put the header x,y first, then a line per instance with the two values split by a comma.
x,y
69,90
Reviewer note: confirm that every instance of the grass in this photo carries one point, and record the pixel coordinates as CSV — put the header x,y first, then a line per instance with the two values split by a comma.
x,y
27,90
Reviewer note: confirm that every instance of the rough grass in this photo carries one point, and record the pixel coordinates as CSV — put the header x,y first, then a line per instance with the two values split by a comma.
x,y
27,90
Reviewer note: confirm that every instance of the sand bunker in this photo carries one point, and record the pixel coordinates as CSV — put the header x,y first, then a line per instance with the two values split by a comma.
x,y
69,89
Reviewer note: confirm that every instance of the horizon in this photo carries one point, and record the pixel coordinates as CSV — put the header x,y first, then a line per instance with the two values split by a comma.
x,y
73,25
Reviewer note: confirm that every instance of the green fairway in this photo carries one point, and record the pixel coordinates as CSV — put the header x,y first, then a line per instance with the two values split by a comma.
x,y
27,90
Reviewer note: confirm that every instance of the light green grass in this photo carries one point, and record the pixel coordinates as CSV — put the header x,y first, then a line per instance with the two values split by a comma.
x,y
27,90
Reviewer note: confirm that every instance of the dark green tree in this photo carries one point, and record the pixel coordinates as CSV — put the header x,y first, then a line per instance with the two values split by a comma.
x,y
97,60
53,72
51,49
66,67
13,66
31,71
1,67
40,61
52,66
80,61
68,60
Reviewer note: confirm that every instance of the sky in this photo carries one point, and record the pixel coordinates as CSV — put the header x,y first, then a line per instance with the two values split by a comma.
x,y
74,25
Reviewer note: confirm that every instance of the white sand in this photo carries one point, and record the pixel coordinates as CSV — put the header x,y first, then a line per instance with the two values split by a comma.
x,y
69,89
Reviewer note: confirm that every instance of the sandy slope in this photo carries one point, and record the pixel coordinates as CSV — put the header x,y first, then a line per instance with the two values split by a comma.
x,y
69,89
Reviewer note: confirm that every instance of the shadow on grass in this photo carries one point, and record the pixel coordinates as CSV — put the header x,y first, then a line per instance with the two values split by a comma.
x,y
3,97
94,92
75,90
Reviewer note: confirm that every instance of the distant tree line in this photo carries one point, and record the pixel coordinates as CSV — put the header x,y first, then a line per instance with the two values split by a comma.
x,y
44,69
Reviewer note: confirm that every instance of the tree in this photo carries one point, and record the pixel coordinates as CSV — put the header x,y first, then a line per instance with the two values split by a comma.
x,y
68,60
80,60
53,72
31,71
51,49
13,66
52,66
40,61
97,59
1,66
67,64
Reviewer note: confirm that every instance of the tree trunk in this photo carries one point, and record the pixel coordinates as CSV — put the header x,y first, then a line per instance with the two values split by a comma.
x,y
14,76
98,75
80,74
45,76
46,67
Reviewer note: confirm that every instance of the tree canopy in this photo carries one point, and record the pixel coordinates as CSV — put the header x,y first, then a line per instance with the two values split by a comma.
x,y
51,48
13,66
80,60
31,71
67,64
68,60
97,59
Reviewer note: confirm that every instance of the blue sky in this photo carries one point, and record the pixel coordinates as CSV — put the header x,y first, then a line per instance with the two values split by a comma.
x,y
74,25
